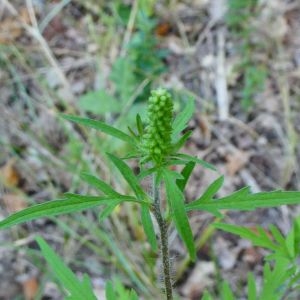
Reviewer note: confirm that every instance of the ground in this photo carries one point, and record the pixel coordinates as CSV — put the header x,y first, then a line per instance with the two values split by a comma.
x,y
241,64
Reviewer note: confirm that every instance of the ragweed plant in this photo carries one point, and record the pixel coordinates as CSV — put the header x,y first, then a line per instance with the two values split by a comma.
x,y
156,144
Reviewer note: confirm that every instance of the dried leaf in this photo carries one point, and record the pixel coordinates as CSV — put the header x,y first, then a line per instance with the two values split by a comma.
x,y
30,288
236,161
9,174
11,27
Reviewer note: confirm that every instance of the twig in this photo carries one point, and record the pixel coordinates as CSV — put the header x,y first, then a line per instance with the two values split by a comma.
x,y
35,33
129,28
221,83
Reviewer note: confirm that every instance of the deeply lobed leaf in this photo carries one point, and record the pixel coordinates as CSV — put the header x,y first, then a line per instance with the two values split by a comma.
x,y
243,200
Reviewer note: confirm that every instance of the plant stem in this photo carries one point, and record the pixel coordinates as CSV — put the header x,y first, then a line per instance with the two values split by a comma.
x,y
164,241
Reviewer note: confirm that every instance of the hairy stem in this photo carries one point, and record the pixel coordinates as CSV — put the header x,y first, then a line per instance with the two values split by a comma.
x,y
164,241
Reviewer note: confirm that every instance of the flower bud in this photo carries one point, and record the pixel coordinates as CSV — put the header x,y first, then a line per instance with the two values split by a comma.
x,y
157,138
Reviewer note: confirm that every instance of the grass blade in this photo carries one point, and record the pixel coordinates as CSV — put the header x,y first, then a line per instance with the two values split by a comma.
x,y
227,292
251,287
78,289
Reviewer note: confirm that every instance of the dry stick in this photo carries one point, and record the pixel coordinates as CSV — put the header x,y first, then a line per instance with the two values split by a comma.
x,y
129,28
35,33
164,241
221,83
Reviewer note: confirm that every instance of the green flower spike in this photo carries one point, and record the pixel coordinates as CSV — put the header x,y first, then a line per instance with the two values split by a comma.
x,y
156,142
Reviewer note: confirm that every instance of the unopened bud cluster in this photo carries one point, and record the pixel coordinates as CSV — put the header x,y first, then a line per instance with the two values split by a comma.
x,y
157,137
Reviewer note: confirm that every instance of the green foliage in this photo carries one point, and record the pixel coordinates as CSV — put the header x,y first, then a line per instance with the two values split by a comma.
x,y
129,176
244,200
122,75
188,158
99,184
181,120
226,292
77,289
72,203
142,64
175,199
99,102
238,20
254,79
144,53
239,13
273,240
185,173
98,125
115,290
281,273
148,227
251,287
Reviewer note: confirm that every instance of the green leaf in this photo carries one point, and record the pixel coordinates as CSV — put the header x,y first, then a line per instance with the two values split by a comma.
x,y
181,141
116,290
109,291
129,176
226,292
99,102
147,172
133,134
181,120
277,235
206,296
99,184
175,162
293,239
259,238
275,279
101,126
122,75
176,202
186,173
148,227
78,289
212,190
197,160
251,287
107,211
139,125
242,200
74,203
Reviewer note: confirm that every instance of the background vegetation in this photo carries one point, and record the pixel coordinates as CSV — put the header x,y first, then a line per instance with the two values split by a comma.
x,y
240,60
